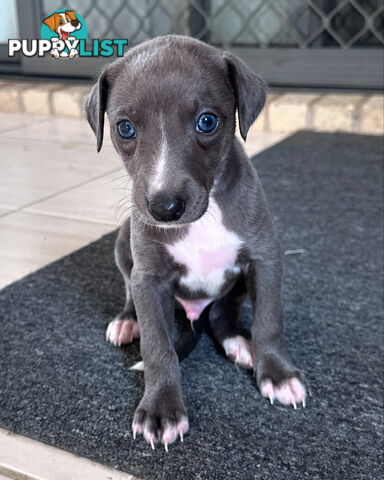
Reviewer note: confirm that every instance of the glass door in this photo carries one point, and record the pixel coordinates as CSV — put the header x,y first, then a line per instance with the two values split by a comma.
x,y
9,28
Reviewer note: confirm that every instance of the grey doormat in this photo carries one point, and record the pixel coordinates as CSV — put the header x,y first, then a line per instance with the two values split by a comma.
x,y
61,383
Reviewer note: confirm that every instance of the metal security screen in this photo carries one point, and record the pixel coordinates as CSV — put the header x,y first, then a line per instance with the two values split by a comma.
x,y
259,23
331,43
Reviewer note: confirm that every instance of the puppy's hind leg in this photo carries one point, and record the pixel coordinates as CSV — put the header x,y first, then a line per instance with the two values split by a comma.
x,y
223,319
124,328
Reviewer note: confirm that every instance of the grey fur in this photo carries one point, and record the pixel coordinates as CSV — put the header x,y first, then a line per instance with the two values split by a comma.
x,y
179,77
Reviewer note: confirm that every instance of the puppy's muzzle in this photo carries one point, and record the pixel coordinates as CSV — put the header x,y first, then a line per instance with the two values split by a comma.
x,y
166,208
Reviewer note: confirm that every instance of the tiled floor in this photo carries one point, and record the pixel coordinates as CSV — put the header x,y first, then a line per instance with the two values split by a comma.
x,y
57,195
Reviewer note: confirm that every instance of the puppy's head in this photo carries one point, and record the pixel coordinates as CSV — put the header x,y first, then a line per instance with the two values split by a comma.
x,y
171,104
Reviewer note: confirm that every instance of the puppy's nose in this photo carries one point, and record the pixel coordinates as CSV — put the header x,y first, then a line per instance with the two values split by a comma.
x,y
166,208
74,23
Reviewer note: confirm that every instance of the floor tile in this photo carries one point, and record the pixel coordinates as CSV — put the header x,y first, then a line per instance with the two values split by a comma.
x,y
24,458
31,170
3,477
4,211
29,241
103,200
72,131
9,121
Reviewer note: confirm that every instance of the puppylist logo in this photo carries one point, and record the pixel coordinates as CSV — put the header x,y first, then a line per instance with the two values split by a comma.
x,y
64,34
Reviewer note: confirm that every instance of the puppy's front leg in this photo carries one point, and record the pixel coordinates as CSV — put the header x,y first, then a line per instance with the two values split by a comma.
x,y
161,414
276,376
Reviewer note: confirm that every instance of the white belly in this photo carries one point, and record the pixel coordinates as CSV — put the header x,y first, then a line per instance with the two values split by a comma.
x,y
208,252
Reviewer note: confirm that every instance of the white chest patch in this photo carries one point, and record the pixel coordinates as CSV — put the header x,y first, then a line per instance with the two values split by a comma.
x,y
207,251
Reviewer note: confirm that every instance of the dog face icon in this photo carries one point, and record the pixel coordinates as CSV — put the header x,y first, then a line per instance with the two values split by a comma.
x,y
63,23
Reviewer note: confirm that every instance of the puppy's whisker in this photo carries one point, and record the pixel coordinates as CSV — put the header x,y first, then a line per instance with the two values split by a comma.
x,y
128,210
118,178
118,205
120,202
123,206
210,214
120,187
124,216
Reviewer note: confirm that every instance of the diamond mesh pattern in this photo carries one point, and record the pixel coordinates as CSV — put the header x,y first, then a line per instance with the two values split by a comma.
x,y
258,23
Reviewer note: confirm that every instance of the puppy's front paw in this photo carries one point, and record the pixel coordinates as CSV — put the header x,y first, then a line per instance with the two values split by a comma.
x,y
278,380
120,332
161,417
288,392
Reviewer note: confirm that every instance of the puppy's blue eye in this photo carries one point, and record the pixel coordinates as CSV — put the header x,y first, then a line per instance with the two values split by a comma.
x,y
126,129
206,123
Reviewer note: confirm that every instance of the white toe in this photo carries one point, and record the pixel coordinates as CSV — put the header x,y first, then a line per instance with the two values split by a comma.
x,y
120,332
239,350
289,392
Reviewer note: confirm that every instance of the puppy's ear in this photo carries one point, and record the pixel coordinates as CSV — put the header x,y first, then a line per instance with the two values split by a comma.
x,y
52,21
95,105
250,91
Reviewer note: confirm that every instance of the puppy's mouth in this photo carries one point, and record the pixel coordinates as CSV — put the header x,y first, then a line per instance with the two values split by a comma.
x,y
64,35
166,225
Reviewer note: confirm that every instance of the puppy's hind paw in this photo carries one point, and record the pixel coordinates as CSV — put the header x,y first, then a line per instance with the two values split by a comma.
x,y
120,332
239,350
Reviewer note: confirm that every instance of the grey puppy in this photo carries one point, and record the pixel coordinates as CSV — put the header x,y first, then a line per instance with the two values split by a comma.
x,y
200,236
